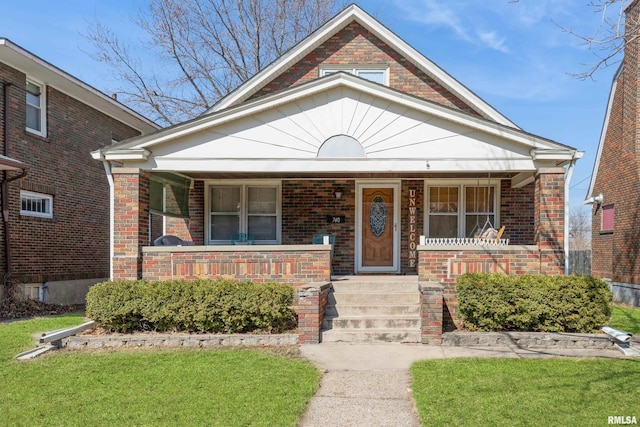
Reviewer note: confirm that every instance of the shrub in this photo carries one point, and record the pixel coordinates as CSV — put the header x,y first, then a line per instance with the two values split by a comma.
x,y
220,306
496,302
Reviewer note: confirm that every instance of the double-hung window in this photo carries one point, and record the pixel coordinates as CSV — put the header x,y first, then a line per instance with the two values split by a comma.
x,y
36,204
459,210
36,108
377,75
250,209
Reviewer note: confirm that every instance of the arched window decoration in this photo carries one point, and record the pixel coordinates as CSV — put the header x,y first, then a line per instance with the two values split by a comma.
x,y
341,146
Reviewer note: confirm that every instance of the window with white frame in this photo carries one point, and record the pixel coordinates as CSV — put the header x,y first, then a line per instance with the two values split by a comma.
x,y
377,75
36,204
250,209
36,107
458,210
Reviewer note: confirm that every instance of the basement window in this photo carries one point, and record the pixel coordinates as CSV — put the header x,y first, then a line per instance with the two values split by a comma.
x,y
36,204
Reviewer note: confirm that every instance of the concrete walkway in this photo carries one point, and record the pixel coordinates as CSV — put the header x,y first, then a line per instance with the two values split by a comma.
x,y
369,385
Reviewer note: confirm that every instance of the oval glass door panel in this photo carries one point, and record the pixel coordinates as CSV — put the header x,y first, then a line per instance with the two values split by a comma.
x,y
377,234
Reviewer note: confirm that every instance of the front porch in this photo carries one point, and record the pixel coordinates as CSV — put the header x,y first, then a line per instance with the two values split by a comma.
x,y
409,308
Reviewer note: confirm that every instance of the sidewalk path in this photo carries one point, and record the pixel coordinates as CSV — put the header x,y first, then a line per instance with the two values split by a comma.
x,y
369,385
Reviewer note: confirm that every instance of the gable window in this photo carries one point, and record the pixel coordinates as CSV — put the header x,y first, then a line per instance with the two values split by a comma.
x,y
36,204
36,107
460,210
249,209
608,223
377,75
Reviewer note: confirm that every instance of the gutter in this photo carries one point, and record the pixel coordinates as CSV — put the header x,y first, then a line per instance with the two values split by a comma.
x,y
567,183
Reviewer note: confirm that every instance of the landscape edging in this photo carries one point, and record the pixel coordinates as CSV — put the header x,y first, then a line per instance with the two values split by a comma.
x,y
79,342
528,340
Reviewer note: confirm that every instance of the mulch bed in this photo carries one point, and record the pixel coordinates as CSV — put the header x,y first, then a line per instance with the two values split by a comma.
x,y
13,310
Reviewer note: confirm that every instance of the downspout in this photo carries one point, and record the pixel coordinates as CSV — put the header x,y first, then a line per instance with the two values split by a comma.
x,y
107,169
4,187
567,182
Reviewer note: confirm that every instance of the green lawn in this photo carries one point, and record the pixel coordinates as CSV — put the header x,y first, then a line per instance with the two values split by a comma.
x,y
626,318
525,392
142,387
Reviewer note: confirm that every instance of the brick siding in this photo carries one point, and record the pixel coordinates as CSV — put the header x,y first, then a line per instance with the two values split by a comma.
x,y
74,244
355,45
616,255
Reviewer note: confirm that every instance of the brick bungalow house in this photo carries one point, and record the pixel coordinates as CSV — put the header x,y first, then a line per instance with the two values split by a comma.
x,y
54,234
355,134
613,191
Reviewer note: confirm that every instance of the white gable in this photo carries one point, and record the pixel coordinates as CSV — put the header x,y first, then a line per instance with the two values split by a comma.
x,y
354,13
396,133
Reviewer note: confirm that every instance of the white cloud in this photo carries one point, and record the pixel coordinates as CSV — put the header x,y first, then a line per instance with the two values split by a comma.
x,y
490,39
457,16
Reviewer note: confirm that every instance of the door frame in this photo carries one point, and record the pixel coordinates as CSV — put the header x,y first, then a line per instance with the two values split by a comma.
x,y
396,184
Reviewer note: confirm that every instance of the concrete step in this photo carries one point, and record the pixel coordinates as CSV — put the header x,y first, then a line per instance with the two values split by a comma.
x,y
333,310
378,286
371,322
372,335
370,298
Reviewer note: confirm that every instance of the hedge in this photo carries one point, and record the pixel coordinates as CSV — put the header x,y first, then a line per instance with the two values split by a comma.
x,y
215,306
496,302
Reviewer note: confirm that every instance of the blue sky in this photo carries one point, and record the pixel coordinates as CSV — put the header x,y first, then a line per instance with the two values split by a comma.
x,y
513,55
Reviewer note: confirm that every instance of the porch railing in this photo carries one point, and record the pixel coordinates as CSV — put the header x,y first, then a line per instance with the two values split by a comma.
x,y
463,241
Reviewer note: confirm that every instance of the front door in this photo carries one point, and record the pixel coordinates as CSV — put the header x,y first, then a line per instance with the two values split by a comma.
x,y
378,228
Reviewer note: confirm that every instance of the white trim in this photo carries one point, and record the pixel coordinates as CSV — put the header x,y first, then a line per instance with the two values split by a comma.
x,y
353,13
243,184
462,184
42,107
337,166
396,184
31,65
47,198
603,132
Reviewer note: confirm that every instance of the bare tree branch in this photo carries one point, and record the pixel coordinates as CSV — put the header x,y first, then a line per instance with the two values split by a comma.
x,y
580,229
197,51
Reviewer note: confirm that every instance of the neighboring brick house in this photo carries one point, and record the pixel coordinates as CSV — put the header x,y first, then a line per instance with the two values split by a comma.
x,y
613,191
351,133
54,235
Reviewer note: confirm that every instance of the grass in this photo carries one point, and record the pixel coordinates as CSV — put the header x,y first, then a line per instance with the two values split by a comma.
x,y
525,392
626,318
154,388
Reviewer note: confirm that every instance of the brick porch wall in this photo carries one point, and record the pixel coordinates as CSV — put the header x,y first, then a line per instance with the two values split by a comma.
x,y
444,264
295,265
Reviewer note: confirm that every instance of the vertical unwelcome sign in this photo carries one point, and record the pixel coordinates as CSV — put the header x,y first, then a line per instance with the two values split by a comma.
x,y
413,228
